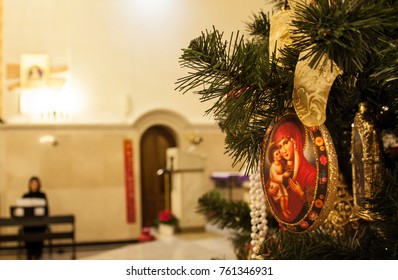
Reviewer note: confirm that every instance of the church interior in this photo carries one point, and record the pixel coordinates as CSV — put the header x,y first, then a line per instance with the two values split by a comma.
x,y
101,125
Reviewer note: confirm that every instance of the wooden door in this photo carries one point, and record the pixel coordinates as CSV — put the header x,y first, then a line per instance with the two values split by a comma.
x,y
154,144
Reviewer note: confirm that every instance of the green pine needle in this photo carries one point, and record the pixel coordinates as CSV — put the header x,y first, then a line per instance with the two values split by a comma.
x,y
247,90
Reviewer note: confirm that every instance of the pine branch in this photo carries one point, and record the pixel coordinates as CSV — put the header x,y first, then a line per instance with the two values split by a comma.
x,y
226,214
259,27
248,90
240,244
233,215
369,240
385,205
386,71
349,32
319,245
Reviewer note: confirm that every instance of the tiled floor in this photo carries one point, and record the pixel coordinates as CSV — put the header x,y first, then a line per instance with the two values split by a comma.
x,y
188,246
177,247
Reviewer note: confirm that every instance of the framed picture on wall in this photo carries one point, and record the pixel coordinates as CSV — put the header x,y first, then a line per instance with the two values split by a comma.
x,y
34,70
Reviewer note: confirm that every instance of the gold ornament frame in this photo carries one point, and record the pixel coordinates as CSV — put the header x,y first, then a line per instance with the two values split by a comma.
x,y
367,162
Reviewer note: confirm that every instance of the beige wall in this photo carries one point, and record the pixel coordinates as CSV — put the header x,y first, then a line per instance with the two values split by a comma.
x,y
83,174
122,59
122,56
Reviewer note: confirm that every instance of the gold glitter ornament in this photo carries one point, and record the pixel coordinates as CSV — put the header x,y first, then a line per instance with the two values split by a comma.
x,y
340,219
367,162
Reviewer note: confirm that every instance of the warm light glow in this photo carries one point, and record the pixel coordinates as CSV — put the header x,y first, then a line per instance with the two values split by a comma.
x,y
152,5
47,139
47,104
153,9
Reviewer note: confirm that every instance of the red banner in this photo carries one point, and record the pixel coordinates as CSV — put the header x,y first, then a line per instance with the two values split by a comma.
x,y
129,181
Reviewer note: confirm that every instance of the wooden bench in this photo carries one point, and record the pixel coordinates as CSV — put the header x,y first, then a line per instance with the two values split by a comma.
x,y
48,235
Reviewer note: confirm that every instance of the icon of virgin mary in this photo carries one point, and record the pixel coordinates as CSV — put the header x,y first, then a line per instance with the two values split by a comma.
x,y
300,175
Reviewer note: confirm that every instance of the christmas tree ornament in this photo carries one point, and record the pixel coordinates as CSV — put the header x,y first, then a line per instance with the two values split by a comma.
x,y
258,215
299,173
367,162
312,87
340,217
359,37
312,84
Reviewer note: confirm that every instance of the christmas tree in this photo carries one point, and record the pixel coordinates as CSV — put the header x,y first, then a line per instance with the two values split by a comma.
x,y
251,83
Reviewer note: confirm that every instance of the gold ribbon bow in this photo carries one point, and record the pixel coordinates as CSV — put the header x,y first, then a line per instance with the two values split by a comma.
x,y
311,85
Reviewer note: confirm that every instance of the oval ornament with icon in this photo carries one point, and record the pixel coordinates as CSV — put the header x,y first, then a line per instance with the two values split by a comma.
x,y
299,173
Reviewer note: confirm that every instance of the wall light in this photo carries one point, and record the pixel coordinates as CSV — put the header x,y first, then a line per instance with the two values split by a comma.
x,y
48,139
45,104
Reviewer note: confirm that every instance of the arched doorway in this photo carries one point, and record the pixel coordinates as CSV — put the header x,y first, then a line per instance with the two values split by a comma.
x,y
154,143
